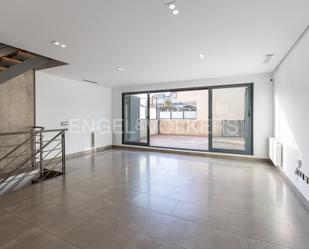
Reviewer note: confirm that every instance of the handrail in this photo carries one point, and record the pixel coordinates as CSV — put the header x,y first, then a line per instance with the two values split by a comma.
x,y
23,143
30,132
38,127
31,129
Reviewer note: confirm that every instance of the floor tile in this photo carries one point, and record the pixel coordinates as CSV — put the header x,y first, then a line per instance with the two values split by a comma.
x,y
58,219
140,241
117,192
72,199
11,227
27,209
112,238
91,232
301,235
155,203
193,236
111,211
258,228
257,244
159,226
37,239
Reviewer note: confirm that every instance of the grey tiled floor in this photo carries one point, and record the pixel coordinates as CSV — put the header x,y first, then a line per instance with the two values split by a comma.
x,y
122,199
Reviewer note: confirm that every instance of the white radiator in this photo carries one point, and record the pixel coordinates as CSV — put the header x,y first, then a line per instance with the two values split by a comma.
x,y
275,151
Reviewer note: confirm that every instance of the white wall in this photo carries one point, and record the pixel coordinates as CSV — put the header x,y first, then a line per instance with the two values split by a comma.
x,y
291,111
263,104
60,99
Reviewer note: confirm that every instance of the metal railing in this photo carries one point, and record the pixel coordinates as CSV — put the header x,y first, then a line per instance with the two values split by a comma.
x,y
30,156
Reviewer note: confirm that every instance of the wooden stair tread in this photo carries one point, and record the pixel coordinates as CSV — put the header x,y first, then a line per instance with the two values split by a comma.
x,y
10,60
3,68
25,55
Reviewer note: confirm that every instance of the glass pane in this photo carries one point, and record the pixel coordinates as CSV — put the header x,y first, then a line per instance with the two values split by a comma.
x,y
229,108
181,120
153,113
135,118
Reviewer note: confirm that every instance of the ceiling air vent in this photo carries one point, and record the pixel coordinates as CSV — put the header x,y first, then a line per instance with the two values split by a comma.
x,y
268,58
91,81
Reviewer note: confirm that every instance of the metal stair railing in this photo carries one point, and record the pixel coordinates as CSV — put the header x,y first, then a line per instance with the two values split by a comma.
x,y
39,156
27,144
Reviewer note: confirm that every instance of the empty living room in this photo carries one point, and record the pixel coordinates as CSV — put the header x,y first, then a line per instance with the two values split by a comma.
x,y
154,124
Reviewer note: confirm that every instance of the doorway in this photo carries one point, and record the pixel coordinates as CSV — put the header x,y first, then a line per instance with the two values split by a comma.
x,y
216,118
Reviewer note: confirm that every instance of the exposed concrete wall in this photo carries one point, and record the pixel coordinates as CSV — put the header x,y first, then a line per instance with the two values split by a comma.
x,y
16,110
17,103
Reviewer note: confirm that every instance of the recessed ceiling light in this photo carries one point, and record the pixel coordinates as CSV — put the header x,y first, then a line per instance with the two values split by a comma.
x,y
175,12
171,6
120,69
202,56
56,43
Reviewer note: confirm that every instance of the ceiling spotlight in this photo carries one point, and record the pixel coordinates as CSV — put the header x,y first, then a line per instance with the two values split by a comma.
x,y
175,12
202,57
120,69
172,6
56,43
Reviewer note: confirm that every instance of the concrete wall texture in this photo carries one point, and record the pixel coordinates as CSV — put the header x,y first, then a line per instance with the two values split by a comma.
x,y
17,103
17,107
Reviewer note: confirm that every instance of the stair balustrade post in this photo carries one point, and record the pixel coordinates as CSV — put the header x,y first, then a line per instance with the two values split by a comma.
x,y
63,151
41,154
33,149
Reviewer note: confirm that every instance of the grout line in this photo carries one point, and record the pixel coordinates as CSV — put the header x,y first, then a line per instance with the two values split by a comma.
x,y
57,236
227,231
173,210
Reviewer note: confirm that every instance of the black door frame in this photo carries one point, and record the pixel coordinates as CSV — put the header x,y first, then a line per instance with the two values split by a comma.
x,y
249,114
249,139
123,121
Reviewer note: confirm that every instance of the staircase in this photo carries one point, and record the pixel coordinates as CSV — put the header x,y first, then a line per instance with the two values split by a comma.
x,y
29,157
34,155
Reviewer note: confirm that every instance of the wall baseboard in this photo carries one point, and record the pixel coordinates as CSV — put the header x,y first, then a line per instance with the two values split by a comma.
x,y
87,152
82,153
194,153
296,191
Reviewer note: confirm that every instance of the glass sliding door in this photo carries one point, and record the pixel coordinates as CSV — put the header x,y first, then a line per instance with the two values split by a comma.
x,y
231,119
179,119
135,120
215,118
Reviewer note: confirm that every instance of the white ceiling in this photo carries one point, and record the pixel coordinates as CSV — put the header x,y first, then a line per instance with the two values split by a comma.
x,y
151,44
